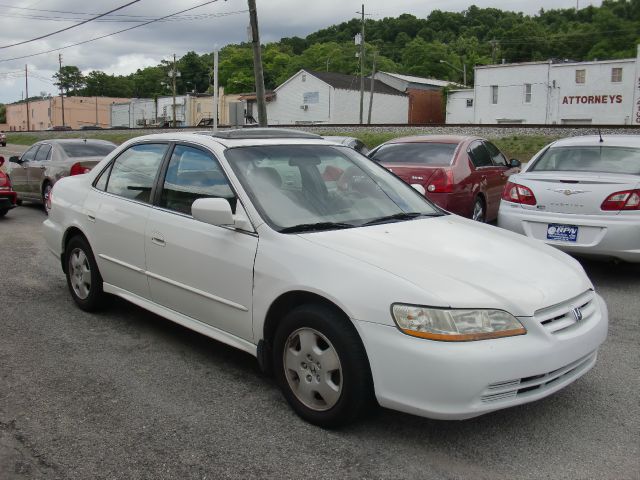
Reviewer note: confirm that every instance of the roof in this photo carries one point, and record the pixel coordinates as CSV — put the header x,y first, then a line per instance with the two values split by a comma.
x,y
555,63
422,80
432,139
594,140
352,82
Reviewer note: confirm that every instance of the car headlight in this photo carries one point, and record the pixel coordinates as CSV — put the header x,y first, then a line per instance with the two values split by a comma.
x,y
451,325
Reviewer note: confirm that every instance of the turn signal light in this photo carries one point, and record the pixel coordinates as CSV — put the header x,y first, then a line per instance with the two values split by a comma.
x,y
516,193
626,200
78,169
441,182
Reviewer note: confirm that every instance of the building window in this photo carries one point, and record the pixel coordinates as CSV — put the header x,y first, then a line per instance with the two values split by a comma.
x,y
469,102
581,76
527,93
616,75
494,94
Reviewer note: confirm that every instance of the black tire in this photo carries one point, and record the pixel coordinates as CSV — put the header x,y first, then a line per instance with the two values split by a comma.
x,y
479,212
3,212
46,190
355,397
79,253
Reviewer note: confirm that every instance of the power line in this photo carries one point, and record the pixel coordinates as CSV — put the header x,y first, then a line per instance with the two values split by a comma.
x,y
69,27
123,18
109,34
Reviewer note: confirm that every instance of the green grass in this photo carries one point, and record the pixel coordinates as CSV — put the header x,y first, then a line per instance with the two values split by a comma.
x,y
28,139
522,147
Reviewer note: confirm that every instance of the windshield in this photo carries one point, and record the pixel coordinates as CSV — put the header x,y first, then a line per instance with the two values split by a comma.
x,y
86,149
589,159
436,154
303,185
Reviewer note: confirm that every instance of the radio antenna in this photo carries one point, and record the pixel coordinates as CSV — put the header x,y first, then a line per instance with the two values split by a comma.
x,y
600,133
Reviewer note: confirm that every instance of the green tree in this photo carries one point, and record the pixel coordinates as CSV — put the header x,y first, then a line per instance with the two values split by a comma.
x,y
70,79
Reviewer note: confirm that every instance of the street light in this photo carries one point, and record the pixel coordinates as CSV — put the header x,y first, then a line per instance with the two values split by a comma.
x,y
462,70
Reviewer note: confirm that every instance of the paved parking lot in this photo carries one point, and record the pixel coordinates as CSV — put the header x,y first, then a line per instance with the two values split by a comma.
x,y
125,394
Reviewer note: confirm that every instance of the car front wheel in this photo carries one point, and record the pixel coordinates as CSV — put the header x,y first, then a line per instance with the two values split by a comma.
x,y
83,278
322,367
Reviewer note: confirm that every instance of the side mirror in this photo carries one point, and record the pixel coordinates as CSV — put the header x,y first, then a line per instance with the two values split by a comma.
x,y
214,211
514,163
419,188
14,159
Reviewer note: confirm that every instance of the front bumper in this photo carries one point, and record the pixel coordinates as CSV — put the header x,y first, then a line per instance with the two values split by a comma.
x,y
454,381
615,236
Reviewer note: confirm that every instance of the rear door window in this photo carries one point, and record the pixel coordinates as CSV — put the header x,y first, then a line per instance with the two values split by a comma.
x,y
134,171
44,153
480,155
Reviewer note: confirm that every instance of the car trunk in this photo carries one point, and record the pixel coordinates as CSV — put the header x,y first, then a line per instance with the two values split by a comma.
x,y
575,193
412,173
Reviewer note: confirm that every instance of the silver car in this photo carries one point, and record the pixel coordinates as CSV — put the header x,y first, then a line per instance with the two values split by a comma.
x,y
581,195
34,173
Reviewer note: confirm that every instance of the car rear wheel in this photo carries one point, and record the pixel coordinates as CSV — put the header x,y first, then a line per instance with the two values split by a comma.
x,y
479,211
46,191
3,212
321,366
83,278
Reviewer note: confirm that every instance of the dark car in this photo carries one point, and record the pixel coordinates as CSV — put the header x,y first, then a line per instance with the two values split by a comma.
x,y
7,195
90,127
464,175
41,166
351,142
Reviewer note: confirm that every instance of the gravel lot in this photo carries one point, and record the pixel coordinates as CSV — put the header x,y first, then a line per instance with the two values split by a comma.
x,y
125,394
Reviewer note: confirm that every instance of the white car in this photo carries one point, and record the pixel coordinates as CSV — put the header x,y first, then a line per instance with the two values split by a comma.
x,y
349,287
581,195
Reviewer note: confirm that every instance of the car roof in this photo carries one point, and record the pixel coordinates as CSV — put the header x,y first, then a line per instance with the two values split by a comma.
x,y
209,138
63,141
594,140
433,139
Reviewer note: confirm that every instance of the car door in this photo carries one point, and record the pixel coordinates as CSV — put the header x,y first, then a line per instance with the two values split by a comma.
x,y
486,176
19,171
499,175
36,169
200,270
118,207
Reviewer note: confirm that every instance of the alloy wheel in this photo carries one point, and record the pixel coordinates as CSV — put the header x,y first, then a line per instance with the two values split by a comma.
x,y
80,273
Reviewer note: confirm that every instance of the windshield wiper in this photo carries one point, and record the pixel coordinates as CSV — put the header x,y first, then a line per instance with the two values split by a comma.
x,y
310,227
400,216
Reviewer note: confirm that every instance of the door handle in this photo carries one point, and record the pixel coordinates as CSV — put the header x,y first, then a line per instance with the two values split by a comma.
x,y
158,240
91,216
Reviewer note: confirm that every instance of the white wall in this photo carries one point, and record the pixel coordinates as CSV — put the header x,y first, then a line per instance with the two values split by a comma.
x,y
290,96
120,114
165,108
598,100
386,108
457,109
511,80
142,110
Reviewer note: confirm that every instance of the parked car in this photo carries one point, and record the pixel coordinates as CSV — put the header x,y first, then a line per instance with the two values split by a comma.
x,y
7,195
61,128
347,291
463,175
581,195
3,139
355,143
41,166
90,127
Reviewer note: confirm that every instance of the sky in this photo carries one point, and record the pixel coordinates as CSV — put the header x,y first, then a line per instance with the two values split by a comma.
x,y
201,30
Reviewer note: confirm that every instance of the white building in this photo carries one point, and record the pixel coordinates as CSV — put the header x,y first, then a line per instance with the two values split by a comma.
x,y
139,112
597,92
325,97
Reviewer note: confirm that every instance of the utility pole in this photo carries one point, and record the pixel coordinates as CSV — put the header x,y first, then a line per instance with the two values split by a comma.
x,y
257,65
362,66
173,75
373,74
96,111
494,50
26,89
215,90
61,91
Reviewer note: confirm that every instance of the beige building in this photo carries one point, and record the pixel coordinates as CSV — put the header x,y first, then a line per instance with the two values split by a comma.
x,y
78,111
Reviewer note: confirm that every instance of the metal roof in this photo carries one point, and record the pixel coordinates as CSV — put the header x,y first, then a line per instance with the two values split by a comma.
x,y
352,82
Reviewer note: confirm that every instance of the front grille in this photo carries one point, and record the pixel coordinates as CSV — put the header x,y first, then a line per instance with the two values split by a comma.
x,y
561,316
510,389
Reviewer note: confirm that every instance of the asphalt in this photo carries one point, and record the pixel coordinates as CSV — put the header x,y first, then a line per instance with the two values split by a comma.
x,y
125,394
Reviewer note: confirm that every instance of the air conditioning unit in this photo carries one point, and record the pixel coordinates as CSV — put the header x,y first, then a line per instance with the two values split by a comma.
x,y
304,107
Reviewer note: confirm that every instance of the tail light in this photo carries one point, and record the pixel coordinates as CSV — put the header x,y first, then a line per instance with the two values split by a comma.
x,y
441,182
5,183
626,200
516,193
79,169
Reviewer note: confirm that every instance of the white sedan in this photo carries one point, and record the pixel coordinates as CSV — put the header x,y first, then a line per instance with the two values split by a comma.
x,y
581,195
342,280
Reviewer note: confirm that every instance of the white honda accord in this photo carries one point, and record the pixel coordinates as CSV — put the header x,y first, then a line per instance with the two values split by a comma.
x,y
345,283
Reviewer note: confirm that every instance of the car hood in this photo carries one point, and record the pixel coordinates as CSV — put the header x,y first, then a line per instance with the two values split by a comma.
x,y
464,264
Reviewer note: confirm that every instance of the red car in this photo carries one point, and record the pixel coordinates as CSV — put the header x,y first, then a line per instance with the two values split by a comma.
x,y
463,175
7,195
